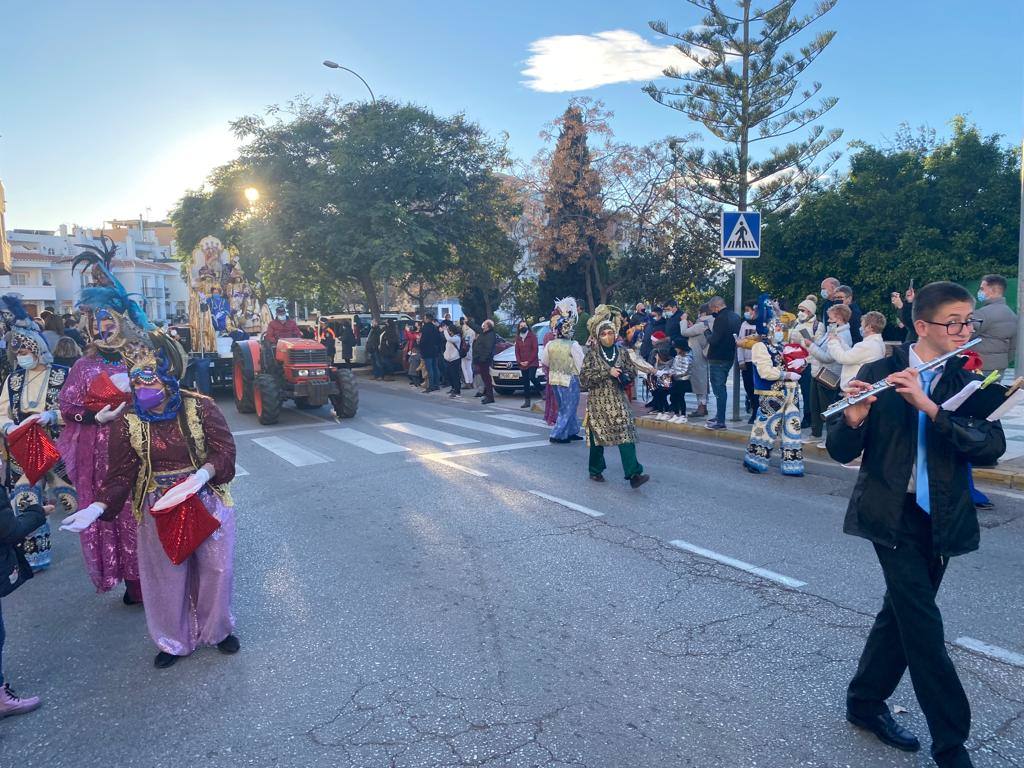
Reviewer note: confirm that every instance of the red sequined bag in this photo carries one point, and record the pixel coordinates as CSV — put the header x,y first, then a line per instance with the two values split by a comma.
x,y
33,450
182,528
103,392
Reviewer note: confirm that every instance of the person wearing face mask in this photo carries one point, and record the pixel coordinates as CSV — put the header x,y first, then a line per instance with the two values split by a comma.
x,y
606,371
777,386
823,395
868,350
528,360
806,320
563,358
172,445
31,393
282,327
745,341
998,327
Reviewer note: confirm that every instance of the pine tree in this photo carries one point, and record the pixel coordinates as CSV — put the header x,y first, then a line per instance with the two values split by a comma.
x,y
745,90
570,247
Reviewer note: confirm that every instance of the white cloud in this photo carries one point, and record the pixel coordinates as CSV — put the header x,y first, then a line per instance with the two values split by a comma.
x,y
580,62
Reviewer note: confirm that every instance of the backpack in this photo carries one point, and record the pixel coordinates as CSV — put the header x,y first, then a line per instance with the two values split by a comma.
x,y
463,347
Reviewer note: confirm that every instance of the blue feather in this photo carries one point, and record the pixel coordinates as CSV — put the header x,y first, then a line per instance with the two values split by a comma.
x,y
15,307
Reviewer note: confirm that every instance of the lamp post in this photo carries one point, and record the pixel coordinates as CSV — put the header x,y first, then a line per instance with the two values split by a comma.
x,y
335,65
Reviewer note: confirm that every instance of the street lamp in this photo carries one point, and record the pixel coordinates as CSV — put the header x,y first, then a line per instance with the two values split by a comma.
x,y
335,65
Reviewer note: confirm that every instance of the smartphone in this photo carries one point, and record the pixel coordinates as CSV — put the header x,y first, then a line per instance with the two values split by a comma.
x,y
805,333
911,287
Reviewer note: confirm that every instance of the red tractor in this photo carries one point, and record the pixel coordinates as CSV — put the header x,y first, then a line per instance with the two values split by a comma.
x,y
296,369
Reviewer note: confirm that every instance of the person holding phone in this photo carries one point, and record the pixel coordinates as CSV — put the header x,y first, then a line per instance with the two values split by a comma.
x,y
905,306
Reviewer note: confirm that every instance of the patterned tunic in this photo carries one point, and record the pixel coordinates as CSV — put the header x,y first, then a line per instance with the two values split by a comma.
x,y
609,419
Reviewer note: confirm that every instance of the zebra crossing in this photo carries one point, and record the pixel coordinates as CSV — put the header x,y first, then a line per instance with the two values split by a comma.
x,y
395,437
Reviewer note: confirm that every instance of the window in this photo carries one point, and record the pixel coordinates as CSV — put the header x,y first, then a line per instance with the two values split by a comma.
x,y
47,278
19,278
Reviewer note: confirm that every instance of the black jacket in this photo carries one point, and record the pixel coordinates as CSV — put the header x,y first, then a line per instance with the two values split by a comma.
x,y
672,327
14,569
888,440
483,344
722,344
431,341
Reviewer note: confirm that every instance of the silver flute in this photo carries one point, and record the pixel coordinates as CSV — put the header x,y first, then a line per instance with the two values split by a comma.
x,y
880,386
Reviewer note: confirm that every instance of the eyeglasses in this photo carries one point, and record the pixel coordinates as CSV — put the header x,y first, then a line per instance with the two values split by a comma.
x,y
956,327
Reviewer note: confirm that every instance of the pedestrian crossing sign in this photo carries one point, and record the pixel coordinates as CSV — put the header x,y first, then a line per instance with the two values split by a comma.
x,y
741,234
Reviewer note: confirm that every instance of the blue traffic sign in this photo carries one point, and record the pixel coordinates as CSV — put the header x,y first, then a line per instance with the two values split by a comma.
x,y
741,234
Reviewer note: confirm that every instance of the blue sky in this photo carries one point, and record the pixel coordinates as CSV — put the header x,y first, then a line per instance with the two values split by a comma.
x,y
112,108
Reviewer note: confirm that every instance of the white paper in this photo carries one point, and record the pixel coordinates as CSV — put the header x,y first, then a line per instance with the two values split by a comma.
x,y
1013,400
961,397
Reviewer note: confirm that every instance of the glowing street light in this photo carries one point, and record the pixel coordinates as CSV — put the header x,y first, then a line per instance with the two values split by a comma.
x,y
252,195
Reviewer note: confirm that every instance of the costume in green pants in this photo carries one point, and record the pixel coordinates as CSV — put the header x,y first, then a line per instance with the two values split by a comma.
x,y
627,452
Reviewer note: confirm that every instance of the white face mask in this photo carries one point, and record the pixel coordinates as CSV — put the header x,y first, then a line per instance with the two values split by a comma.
x,y
803,314
26,361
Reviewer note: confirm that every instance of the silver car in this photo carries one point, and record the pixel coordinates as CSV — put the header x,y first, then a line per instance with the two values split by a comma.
x,y
507,375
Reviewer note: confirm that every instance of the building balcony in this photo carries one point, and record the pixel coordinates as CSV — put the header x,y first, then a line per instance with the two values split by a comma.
x,y
33,292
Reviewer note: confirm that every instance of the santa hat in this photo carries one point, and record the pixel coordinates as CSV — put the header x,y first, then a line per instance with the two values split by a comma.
x,y
659,338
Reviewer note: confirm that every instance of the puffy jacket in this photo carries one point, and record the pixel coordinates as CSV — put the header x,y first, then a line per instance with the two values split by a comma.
x,y
857,356
888,441
14,569
431,341
998,333
483,345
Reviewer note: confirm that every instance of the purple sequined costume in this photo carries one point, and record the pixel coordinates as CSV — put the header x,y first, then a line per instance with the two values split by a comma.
x,y
110,548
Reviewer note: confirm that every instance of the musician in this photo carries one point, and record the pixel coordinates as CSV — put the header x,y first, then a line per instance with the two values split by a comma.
x,y
912,502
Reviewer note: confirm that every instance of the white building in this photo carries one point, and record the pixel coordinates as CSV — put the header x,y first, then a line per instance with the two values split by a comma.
x,y
41,270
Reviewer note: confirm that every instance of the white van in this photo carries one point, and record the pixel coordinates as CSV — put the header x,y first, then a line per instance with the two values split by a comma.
x,y
361,329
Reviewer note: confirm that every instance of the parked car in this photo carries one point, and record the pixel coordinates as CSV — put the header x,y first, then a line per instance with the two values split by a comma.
x,y
507,375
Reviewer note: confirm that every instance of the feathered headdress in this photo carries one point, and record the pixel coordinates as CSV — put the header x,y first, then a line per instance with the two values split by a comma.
x,y
564,317
111,294
766,316
604,315
23,333
157,357
14,311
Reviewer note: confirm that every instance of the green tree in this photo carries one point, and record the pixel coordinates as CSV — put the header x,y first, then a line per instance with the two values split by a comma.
x,y
363,193
921,210
745,90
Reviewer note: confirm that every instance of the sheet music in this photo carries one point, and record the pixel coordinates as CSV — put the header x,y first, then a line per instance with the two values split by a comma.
x,y
961,397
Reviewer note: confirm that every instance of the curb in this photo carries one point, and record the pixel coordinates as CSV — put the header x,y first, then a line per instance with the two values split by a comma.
x,y
1010,478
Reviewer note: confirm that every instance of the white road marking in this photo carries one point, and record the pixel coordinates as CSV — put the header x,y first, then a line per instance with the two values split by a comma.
x,y
264,430
434,435
484,449
992,651
453,465
294,454
490,429
539,423
739,564
569,504
362,440
240,471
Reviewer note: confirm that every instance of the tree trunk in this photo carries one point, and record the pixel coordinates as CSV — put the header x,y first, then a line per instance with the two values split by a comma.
x,y
370,289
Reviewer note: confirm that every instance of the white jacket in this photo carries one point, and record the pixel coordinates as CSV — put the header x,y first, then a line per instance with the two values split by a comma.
x,y
860,354
451,347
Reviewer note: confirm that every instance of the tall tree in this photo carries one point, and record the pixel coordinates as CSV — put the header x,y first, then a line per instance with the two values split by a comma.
x,y
745,90
574,229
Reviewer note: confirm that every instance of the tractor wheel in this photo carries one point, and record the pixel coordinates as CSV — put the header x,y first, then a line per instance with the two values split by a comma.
x,y
267,398
241,384
346,402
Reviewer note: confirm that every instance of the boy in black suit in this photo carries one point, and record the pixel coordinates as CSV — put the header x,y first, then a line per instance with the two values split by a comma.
x,y
915,506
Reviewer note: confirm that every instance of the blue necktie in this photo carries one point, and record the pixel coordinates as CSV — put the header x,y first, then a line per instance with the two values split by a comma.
x,y
923,494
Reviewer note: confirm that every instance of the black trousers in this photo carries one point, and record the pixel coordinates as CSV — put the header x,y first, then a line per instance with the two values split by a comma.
x,y
907,634
453,368
677,396
747,374
530,381
821,398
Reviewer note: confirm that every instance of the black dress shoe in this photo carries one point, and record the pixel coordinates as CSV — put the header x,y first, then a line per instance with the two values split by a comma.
x,y
478,394
164,660
127,599
575,438
597,478
229,644
487,401
887,730
984,505
637,480
558,440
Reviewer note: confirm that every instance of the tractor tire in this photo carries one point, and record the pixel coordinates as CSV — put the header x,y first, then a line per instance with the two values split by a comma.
x,y
346,402
267,398
241,384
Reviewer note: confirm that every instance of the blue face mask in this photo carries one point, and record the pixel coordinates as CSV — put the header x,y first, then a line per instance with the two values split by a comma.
x,y
748,315
981,296
824,293
778,337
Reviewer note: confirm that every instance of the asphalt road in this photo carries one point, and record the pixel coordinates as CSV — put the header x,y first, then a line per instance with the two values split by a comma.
x,y
406,598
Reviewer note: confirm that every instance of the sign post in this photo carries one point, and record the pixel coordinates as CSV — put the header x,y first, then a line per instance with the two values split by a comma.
x,y
740,239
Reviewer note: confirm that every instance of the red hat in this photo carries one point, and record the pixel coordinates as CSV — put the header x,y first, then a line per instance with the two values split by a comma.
x,y
658,336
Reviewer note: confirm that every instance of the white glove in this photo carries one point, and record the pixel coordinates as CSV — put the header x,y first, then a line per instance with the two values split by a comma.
x,y
46,418
83,518
120,380
182,491
790,376
105,414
